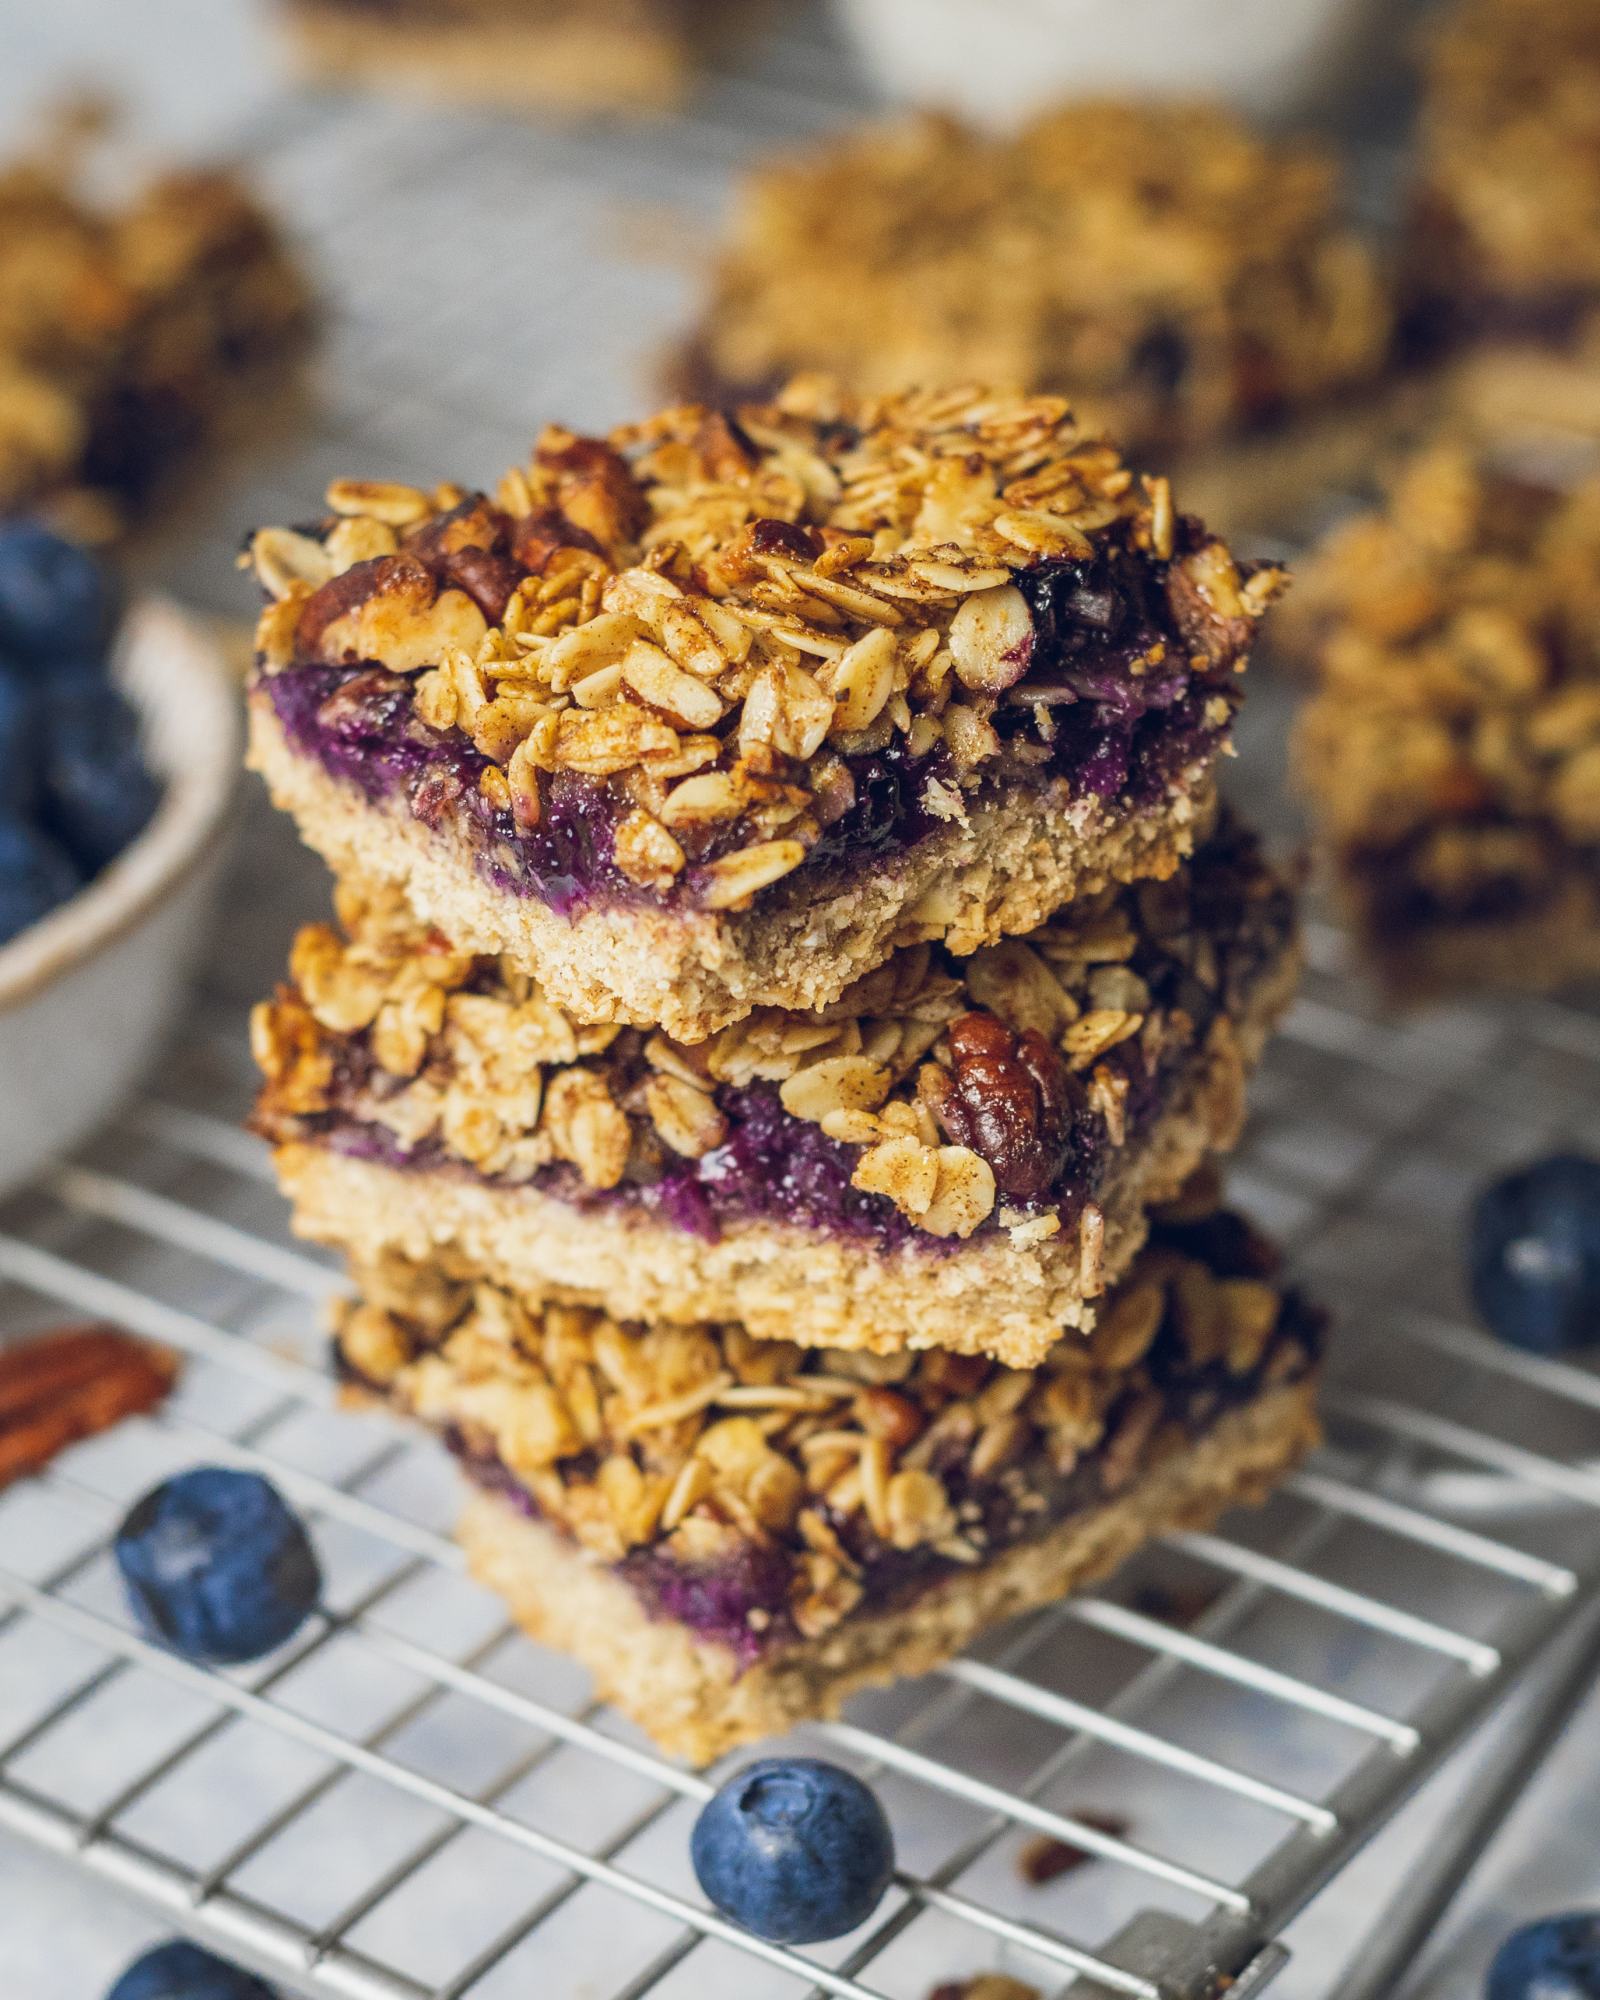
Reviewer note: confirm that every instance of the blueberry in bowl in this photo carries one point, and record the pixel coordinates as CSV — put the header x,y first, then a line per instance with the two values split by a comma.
x,y
183,1971
794,1850
1557,1958
1535,1255
217,1566
118,768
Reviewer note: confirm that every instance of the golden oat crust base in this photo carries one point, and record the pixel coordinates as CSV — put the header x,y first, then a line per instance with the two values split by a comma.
x,y
693,972
986,1296
689,1694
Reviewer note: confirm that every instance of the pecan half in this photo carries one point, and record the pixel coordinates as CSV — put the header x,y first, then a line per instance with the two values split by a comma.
x,y
1009,1098
69,1385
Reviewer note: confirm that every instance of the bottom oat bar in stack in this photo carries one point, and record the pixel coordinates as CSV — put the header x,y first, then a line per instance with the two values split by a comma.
x,y
735,1535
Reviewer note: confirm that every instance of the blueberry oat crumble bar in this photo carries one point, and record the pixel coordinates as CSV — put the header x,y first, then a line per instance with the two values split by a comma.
x,y
717,712
735,1535
1182,278
129,335
1504,240
957,1153
578,55
1450,752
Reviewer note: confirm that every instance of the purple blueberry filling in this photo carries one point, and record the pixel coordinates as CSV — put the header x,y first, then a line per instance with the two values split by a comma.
x,y
1085,712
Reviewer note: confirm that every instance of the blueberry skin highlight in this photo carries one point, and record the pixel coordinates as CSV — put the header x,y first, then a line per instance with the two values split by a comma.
x,y
794,1850
1535,1255
55,598
217,1567
1557,1958
182,1971
35,876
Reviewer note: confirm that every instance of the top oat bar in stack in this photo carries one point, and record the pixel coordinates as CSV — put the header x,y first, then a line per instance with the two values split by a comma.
x,y
719,711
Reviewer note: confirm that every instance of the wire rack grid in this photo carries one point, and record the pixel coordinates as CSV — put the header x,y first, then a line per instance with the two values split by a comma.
x,y
410,1803
415,1803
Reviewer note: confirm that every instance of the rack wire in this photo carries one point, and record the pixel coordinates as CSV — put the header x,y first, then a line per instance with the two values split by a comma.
x,y
412,1803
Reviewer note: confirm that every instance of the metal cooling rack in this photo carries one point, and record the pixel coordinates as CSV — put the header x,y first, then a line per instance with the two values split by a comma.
x,y
410,1802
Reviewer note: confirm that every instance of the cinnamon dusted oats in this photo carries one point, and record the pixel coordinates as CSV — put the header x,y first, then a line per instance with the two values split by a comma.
x,y
714,713
1185,279
775,1526
956,1153
1451,749
128,334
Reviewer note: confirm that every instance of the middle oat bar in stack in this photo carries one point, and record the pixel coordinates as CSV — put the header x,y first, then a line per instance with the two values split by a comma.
x,y
783,908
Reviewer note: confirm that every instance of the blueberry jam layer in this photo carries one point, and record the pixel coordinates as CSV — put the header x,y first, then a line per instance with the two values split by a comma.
x,y
742,1601
1403,895
1086,713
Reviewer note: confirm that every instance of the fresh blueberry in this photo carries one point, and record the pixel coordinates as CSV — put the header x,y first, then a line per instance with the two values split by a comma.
x,y
55,598
1536,1255
182,1971
794,1850
96,794
35,875
19,712
217,1566
1557,1958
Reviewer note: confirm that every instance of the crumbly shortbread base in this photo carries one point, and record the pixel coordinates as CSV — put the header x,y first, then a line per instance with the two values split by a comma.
x,y
580,62
1002,872
690,1695
984,1296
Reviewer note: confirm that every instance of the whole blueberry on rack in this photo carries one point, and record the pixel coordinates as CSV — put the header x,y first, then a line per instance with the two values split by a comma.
x,y
216,1566
56,600
35,875
1557,1958
1535,1255
794,1850
182,1971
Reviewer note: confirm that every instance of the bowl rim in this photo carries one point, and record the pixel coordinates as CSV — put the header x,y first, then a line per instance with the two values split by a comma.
x,y
173,671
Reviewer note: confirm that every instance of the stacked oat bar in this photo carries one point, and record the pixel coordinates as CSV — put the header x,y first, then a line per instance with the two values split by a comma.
x,y
787,950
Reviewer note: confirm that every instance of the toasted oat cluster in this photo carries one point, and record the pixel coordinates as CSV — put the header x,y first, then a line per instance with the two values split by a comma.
x,y
749,629
1181,277
1451,750
956,1090
696,1443
126,334
1505,240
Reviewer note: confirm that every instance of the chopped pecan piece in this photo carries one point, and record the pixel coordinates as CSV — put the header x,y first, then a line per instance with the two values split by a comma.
x,y
1008,1097
72,1384
1046,1858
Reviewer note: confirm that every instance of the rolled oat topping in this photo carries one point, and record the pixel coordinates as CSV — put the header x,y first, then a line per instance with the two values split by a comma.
x,y
1506,229
942,1094
796,1484
686,659
1180,276
1452,747
123,332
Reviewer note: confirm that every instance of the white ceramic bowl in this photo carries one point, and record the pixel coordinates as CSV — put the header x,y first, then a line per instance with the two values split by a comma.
x,y
87,994
998,60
